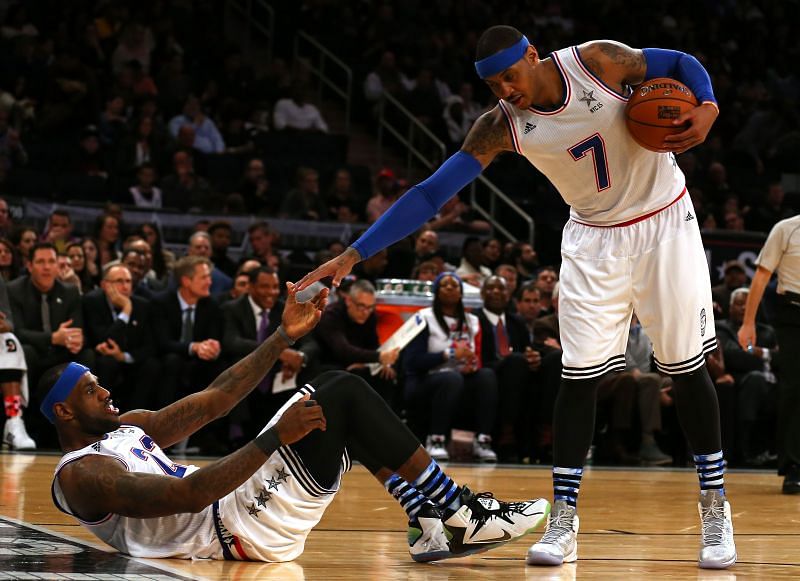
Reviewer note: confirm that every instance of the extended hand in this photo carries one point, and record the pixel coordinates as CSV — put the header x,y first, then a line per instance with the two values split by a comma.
x,y
299,318
338,268
700,120
301,418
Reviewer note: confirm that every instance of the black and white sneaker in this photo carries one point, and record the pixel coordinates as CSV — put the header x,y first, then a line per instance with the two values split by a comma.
x,y
428,539
483,522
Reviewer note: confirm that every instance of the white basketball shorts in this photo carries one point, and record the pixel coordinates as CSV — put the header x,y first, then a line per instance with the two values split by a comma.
x,y
656,267
269,517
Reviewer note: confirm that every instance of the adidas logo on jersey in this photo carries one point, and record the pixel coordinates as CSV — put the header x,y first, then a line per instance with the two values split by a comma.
x,y
529,127
688,217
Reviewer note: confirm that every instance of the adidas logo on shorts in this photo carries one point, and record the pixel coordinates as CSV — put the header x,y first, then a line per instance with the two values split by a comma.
x,y
529,127
688,217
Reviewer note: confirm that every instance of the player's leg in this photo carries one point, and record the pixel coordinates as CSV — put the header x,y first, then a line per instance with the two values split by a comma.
x,y
359,420
673,302
594,315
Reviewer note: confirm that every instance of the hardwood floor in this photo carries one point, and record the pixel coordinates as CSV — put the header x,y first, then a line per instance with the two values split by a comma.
x,y
634,524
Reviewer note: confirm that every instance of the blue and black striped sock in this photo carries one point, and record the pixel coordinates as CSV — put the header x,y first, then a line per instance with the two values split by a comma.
x,y
711,471
409,497
438,487
567,484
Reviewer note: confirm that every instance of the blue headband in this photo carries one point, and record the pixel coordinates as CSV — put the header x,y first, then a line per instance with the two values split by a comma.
x,y
62,388
438,280
500,61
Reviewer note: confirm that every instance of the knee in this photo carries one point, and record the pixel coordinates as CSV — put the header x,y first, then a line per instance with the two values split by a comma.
x,y
340,384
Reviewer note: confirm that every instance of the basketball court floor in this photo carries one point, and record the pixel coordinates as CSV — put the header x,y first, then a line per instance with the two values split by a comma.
x,y
635,524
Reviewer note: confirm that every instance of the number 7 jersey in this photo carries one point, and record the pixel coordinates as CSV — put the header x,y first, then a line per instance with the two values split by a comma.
x,y
583,147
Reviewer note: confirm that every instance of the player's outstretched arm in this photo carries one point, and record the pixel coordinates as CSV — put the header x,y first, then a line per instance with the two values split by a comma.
x,y
97,485
181,419
488,137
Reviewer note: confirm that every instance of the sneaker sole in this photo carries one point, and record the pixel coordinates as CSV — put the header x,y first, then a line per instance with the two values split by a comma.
x,y
724,565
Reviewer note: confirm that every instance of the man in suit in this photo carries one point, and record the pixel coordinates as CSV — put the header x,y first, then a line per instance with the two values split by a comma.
x,y
47,314
249,320
48,320
119,327
188,330
527,374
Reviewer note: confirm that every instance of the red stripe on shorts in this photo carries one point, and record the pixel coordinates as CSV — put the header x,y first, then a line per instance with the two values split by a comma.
x,y
635,220
240,549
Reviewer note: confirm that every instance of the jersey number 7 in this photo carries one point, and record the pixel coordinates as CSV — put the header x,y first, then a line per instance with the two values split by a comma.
x,y
597,146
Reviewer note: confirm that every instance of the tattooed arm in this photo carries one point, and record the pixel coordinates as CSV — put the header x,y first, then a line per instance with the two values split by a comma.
x,y
181,419
615,63
97,485
488,137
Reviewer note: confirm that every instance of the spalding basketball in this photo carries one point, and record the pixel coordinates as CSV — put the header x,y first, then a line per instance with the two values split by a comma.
x,y
651,109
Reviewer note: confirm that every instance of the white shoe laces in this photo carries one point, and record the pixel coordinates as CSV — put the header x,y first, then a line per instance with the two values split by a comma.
x,y
559,525
713,519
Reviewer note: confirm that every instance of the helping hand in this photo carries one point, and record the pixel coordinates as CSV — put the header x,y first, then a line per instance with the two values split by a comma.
x,y
338,268
299,318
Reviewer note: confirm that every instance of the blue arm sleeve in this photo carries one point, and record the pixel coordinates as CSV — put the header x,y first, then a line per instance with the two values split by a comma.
x,y
418,204
681,66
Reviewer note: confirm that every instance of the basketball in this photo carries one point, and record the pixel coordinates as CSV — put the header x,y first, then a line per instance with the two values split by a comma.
x,y
651,109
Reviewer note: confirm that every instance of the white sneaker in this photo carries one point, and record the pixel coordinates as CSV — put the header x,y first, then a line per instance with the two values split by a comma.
x,y
717,549
559,544
427,536
483,522
434,446
482,449
15,436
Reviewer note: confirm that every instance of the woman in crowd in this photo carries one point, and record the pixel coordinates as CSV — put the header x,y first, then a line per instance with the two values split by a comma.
x,y
163,259
9,260
444,372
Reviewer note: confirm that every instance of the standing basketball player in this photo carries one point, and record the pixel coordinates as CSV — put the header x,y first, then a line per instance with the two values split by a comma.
x,y
260,502
632,242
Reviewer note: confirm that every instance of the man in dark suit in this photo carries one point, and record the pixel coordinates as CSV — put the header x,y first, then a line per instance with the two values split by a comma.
x,y
527,375
119,327
47,315
48,320
249,320
188,331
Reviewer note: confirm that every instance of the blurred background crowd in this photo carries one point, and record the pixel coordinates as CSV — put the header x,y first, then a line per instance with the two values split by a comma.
x,y
161,179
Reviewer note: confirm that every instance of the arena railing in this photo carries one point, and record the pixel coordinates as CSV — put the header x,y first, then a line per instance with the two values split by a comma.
x,y
415,137
176,227
325,57
259,16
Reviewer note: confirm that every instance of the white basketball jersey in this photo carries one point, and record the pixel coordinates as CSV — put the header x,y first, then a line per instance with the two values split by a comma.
x,y
584,148
182,535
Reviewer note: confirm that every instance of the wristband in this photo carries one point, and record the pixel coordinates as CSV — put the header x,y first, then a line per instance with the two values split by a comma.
x,y
268,441
282,332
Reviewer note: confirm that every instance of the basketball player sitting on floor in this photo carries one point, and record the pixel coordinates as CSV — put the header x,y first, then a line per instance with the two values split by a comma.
x,y
260,502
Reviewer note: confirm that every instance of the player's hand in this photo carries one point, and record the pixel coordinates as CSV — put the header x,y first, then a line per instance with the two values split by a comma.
x,y
302,417
338,268
747,335
299,318
700,120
